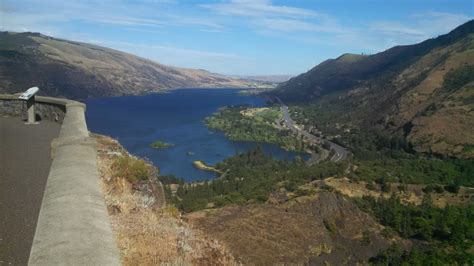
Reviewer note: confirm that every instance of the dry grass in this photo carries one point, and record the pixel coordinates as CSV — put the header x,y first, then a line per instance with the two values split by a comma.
x,y
130,168
447,129
146,235
412,193
294,232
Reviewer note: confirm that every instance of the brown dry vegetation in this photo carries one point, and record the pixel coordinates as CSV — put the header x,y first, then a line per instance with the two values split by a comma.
x,y
321,228
446,127
80,70
146,232
410,193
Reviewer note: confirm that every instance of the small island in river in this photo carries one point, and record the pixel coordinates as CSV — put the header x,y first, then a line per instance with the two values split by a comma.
x,y
160,145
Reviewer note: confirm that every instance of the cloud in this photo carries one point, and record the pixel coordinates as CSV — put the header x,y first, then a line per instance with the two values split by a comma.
x,y
183,52
220,62
258,8
294,25
125,21
396,28
266,17
418,27
434,22
144,13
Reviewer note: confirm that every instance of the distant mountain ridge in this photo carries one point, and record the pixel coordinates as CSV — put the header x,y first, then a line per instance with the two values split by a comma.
x,y
341,73
423,92
266,78
79,70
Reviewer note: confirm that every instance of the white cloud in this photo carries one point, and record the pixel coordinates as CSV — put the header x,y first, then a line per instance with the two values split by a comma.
x,y
417,28
258,8
125,21
183,52
435,23
266,17
294,25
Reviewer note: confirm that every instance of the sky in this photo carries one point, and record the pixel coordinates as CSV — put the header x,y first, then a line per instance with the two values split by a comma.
x,y
239,37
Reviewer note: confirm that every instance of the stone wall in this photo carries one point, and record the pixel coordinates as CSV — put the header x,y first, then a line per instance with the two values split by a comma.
x,y
44,110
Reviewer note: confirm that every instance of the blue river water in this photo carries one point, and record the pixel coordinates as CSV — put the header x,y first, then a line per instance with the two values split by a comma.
x,y
175,117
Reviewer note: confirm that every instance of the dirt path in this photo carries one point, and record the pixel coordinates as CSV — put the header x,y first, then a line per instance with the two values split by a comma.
x,y
24,167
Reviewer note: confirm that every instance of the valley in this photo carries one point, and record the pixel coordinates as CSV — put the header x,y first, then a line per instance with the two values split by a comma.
x,y
366,158
364,193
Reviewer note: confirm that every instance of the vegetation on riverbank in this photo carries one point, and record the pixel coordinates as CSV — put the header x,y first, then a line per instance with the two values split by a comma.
x,y
160,145
254,124
251,177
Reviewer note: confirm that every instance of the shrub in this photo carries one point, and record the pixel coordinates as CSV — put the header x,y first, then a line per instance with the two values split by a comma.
x,y
386,187
130,168
170,179
438,189
303,192
453,188
366,240
330,226
428,188
370,186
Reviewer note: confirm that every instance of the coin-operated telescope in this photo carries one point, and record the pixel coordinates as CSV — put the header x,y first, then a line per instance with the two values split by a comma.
x,y
29,97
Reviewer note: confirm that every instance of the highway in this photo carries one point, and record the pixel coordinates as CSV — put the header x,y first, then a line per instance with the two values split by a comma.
x,y
340,153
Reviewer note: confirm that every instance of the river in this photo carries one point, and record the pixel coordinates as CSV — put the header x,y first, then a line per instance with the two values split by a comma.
x,y
177,118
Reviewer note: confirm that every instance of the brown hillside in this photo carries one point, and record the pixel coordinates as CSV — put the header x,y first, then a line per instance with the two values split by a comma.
x,y
80,70
318,229
423,92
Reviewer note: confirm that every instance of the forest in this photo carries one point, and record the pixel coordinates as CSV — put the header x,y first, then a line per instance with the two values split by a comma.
x,y
441,235
250,177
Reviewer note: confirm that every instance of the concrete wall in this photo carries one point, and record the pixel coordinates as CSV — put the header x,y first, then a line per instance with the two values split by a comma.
x,y
10,105
73,225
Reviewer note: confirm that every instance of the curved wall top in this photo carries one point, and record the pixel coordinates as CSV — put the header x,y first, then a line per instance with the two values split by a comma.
x,y
73,225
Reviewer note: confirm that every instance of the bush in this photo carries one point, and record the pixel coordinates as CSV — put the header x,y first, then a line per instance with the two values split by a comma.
x,y
456,79
438,189
453,188
130,168
366,239
170,179
330,226
428,188
370,186
386,187
303,192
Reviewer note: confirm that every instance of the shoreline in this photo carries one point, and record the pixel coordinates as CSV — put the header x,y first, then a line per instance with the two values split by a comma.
x,y
203,166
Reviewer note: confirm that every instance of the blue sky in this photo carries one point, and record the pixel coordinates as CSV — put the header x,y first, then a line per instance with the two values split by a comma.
x,y
243,37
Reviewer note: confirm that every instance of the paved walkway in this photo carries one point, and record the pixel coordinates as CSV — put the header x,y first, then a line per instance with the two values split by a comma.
x,y
24,166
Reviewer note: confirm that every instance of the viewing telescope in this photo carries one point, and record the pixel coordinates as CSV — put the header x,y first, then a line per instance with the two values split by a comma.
x,y
29,97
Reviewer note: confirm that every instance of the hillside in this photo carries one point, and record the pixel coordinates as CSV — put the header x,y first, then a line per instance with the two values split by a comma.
x,y
267,78
423,93
79,70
